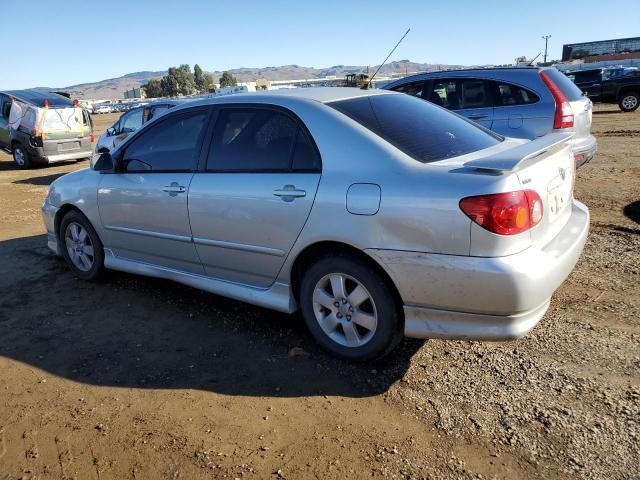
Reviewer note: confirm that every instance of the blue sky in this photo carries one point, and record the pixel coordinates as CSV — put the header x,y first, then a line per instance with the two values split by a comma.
x,y
61,43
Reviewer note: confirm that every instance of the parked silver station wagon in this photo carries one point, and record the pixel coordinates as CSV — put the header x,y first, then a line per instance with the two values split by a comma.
x,y
374,213
522,102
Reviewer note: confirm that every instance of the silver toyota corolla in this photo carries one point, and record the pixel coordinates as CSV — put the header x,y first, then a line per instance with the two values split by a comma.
x,y
374,213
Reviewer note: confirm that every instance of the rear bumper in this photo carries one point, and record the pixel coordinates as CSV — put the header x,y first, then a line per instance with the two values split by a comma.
x,y
61,157
584,149
483,298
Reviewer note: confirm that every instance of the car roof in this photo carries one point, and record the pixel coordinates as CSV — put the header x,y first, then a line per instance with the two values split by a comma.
x,y
481,72
37,96
314,94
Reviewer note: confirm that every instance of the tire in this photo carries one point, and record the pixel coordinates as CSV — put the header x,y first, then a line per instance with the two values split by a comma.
x,y
379,327
21,157
629,101
85,263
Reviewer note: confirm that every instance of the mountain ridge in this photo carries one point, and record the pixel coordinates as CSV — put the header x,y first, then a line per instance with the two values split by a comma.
x,y
112,88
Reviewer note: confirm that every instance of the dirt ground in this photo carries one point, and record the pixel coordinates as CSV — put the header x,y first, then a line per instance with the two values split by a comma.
x,y
136,378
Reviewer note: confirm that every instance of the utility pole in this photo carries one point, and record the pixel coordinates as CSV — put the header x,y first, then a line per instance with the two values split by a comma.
x,y
546,42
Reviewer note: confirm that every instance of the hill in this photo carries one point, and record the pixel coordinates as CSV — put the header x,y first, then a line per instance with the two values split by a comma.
x,y
115,87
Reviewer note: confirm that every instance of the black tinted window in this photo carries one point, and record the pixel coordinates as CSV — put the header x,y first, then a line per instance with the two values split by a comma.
x,y
252,139
419,129
566,86
475,94
513,95
446,93
305,154
172,144
413,89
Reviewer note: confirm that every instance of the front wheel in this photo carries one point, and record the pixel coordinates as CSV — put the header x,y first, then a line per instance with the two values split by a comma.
x,y
81,247
21,157
629,101
350,309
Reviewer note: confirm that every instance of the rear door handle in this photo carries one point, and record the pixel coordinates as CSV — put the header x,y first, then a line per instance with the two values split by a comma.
x,y
477,117
174,189
289,192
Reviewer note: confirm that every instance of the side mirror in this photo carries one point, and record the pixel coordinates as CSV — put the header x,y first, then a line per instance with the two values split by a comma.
x,y
111,131
104,162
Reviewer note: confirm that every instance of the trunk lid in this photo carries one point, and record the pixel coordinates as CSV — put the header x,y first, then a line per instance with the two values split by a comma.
x,y
546,166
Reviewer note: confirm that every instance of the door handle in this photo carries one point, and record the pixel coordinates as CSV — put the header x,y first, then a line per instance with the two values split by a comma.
x,y
477,117
289,192
174,188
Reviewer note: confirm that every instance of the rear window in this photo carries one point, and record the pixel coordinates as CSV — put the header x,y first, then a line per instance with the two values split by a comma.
x,y
418,128
564,83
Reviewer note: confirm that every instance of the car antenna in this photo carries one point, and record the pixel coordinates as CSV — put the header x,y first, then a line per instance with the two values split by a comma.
x,y
534,58
368,85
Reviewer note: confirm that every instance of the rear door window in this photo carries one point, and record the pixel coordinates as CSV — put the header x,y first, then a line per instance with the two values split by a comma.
x,y
260,140
446,93
416,127
169,146
476,94
414,89
508,94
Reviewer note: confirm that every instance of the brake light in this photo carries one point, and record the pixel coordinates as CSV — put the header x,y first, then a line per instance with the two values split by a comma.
x,y
504,213
563,116
92,138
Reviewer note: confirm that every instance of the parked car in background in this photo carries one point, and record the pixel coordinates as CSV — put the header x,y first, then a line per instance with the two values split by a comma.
x,y
600,87
131,121
374,213
40,127
519,102
98,109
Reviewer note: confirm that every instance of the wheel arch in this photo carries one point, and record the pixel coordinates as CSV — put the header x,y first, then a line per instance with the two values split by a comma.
x,y
628,89
62,211
316,250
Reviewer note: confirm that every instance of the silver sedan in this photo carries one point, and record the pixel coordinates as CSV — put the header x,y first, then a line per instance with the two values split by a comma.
x,y
375,214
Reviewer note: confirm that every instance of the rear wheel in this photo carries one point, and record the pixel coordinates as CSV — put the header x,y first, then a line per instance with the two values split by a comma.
x,y
21,157
81,247
629,101
349,308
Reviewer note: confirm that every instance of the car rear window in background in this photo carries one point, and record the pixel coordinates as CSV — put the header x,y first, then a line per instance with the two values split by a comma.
x,y
513,95
418,128
564,83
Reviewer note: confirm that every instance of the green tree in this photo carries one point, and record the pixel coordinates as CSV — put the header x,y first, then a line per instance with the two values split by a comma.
x,y
169,85
228,80
153,88
200,79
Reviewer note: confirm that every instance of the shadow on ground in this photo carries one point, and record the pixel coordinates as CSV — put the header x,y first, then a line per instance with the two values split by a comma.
x,y
606,112
41,180
131,331
632,211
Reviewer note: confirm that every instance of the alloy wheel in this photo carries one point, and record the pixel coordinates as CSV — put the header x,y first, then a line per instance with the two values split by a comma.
x,y
79,246
18,156
345,310
630,102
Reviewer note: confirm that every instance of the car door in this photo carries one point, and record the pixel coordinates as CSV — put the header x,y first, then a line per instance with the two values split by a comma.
x,y
518,111
477,101
143,205
5,109
255,194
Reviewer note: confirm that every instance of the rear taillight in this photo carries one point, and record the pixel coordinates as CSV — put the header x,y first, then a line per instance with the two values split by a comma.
x,y
563,116
92,138
504,213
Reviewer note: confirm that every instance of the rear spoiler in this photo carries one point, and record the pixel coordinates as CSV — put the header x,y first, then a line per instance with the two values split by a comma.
x,y
520,156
